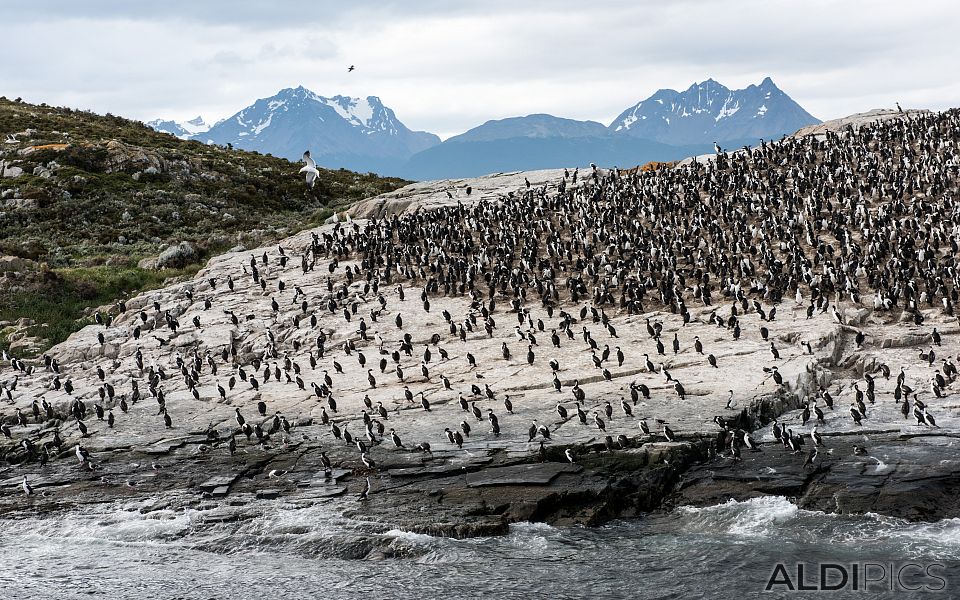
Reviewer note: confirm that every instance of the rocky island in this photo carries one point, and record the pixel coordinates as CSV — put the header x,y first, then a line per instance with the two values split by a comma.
x,y
560,346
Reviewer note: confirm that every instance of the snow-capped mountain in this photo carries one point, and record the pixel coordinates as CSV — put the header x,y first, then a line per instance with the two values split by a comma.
x,y
707,112
667,126
355,133
183,130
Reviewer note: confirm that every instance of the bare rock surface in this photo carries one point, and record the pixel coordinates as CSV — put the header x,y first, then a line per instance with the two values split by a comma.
x,y
857,120
492,476
425,195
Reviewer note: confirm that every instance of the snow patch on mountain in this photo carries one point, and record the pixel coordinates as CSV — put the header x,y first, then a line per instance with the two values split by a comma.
x,y
358,111
195,125
182,129
729,109
263,124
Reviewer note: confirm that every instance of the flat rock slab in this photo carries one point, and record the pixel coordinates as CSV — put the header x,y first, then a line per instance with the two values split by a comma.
x,y
335,476
948,440
225,515
157,450
326,491
216,482
38,481
438,470
528,474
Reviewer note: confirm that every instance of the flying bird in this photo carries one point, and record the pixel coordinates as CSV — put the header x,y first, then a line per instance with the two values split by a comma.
x,y
310,169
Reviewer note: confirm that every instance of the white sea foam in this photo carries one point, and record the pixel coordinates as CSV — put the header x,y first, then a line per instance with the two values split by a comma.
x,y
750,517
776,515
410,536
527,526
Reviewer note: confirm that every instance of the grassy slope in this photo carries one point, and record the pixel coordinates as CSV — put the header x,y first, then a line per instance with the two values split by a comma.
x,y
59,305
98,212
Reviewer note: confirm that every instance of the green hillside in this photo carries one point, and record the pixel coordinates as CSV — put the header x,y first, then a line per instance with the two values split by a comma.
x,y
88,197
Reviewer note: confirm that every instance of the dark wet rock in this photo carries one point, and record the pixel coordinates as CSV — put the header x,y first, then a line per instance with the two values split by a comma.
x,y
916,478
603,485
447,468
334,476
224,515
326,491
216,482
526,474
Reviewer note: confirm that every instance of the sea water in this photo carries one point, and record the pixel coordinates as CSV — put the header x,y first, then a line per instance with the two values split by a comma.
x,y
277,551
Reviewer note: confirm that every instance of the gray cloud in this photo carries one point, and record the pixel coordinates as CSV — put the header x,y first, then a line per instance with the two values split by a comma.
x,y
447,66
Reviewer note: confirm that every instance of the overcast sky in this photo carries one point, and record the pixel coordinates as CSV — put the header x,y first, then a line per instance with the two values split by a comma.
x,y
446,66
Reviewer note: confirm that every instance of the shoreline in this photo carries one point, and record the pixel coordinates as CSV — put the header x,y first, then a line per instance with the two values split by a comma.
x,y
485,497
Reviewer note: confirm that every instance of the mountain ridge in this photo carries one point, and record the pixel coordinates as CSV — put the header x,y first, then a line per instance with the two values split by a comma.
x,y
365,135
537,125
341,131
711,112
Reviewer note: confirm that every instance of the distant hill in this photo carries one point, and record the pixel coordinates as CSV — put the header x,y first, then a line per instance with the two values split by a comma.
x,y
532,126
88,202
454,159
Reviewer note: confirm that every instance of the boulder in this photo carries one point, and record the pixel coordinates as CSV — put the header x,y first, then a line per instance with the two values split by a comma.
x,y
177,257
149,263
10,171
26,345
426,195
20,203
124,156
15,263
